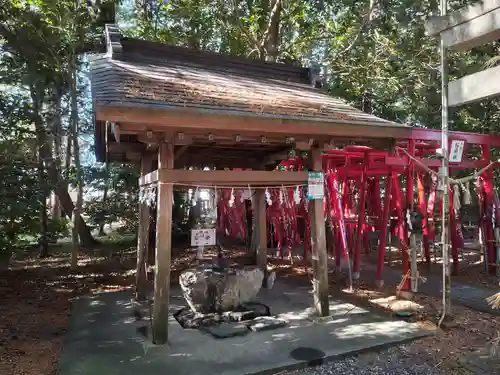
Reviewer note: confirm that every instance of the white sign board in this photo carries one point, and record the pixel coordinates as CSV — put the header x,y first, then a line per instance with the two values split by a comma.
x,y
456,151
315,186
202,237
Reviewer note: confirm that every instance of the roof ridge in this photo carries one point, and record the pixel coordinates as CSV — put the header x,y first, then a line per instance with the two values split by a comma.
x,y
119,47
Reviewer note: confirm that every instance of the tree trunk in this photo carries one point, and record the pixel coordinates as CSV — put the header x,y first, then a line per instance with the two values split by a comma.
x,y
76,157
53,176
44,240
56,131
104,196
36,91
272,36
67,154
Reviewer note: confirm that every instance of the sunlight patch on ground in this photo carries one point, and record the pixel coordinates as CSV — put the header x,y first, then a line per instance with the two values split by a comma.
x,y
394,304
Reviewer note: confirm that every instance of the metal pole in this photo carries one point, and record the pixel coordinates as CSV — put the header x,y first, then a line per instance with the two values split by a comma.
x,y
445,174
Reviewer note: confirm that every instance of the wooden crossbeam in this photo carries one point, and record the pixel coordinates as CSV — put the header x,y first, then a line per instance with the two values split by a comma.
x,y
190,121
229,178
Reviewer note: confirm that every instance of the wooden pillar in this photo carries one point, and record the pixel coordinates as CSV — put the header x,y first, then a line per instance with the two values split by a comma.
x,y
163,247
318,241
143,234
261,229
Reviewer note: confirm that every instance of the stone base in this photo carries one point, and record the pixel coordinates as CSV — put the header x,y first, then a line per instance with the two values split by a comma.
x,y
269,280
379,283
265,323
226,330
190,320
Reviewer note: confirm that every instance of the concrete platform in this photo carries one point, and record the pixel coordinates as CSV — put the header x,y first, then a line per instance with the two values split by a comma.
x,y
102,338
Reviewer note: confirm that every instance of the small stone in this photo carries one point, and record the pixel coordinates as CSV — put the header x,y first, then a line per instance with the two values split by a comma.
x,y
266,322
321,319
238,316
226,330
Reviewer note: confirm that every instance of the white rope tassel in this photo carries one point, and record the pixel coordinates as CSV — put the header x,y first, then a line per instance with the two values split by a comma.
x,y
296,196
466,193
456,198
195,196
268,197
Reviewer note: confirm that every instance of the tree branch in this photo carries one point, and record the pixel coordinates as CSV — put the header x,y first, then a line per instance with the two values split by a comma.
x,y
253,42
270,22
366,20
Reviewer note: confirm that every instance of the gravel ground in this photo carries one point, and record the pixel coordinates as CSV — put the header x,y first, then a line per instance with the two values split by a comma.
x,y
392,361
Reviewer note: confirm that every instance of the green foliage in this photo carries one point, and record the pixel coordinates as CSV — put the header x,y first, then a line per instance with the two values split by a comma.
x,y
19,206
58,228
42,42
121,203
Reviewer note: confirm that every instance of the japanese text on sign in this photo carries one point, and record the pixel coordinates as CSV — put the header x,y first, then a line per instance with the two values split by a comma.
x,y
315,186
456,151
202,237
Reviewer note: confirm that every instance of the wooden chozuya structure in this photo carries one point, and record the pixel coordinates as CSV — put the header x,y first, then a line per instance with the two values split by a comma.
x,y
169,107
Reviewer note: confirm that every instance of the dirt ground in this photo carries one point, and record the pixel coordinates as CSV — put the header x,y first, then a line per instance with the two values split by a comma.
x,y
470,266
36,297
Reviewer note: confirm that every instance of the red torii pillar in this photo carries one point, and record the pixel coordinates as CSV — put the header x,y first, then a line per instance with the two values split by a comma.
x,y
363,187
489,198
409,206
383,229
422,203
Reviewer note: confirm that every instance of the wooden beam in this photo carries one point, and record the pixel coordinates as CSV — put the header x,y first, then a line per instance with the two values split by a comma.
x,y
192,121
148,137
475,87
143,234
182,139
181,150
232,178
163,247
303,146
318,242
133,156
261,229
149,178
436,25
123,147
279,156
479,31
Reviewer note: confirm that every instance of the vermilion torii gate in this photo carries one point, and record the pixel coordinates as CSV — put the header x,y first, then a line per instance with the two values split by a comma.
x,y
413,158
